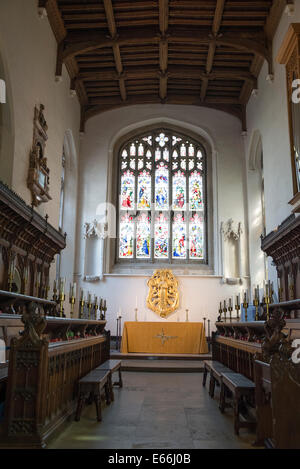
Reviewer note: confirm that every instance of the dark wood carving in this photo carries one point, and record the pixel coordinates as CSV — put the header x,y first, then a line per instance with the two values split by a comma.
x,y
283,246
278,385
28,237
45,364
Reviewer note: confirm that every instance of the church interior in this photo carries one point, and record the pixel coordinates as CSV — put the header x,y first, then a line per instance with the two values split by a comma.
x,y
149,224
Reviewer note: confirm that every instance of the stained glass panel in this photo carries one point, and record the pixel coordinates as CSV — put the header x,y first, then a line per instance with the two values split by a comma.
x,y
166,154
179,237
191,150
132,150
143,237
141,150
126,237
162,187
148,139
127,190
183,164
162,139
196,237
144,190
179,191
161,234
195,189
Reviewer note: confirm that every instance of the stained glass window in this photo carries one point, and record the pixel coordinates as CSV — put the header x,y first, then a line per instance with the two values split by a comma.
x,y
162,199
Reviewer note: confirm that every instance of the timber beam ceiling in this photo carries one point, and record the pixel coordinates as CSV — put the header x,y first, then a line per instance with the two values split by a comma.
x,y
199,52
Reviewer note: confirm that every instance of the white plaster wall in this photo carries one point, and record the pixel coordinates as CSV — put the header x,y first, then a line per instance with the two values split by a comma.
x,y
200,294
267,113
30,48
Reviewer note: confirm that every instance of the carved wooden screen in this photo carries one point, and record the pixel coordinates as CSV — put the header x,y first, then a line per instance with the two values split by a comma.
x,y
162,199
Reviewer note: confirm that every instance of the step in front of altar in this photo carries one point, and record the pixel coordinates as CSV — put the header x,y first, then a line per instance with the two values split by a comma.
x,y
163,366
174,363
159,356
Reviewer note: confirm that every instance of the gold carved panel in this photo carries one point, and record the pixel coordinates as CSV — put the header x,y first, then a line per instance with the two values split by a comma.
x,y
163,296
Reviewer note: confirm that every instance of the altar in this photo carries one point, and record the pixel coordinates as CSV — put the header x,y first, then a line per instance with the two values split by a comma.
x,y
164,337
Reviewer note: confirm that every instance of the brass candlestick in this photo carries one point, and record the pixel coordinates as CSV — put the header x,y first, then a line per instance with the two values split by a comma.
x,y
61,303
230,313
237,307
246,305
186,315
204,319
225,310
72,300
220,312
89,305
82,304
96,307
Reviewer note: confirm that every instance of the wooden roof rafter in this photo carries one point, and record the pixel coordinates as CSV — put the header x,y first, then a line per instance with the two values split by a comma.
x,y
163,48
212,45
116,48
150,48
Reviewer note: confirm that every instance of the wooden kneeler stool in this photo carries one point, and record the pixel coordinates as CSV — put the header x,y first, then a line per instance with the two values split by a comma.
x,y
112,366
91,385
215,369
240,386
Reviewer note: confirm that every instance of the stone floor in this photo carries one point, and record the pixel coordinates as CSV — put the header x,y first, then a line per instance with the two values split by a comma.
x,y
158,411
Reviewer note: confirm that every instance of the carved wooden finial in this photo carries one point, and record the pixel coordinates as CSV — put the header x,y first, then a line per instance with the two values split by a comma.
x,y
274,335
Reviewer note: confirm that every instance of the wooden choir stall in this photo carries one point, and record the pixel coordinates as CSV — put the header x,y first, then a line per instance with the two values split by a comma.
x,y
257,363
43,353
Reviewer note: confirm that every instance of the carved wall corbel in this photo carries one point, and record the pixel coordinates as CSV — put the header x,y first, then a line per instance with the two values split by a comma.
x,y
94,231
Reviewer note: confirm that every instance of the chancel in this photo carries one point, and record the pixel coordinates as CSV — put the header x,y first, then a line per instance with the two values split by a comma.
x,y
149,225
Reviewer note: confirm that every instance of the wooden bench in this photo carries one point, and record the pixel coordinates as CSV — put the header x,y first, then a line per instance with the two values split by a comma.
x,y
215,369
92,385
112,366
240,386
